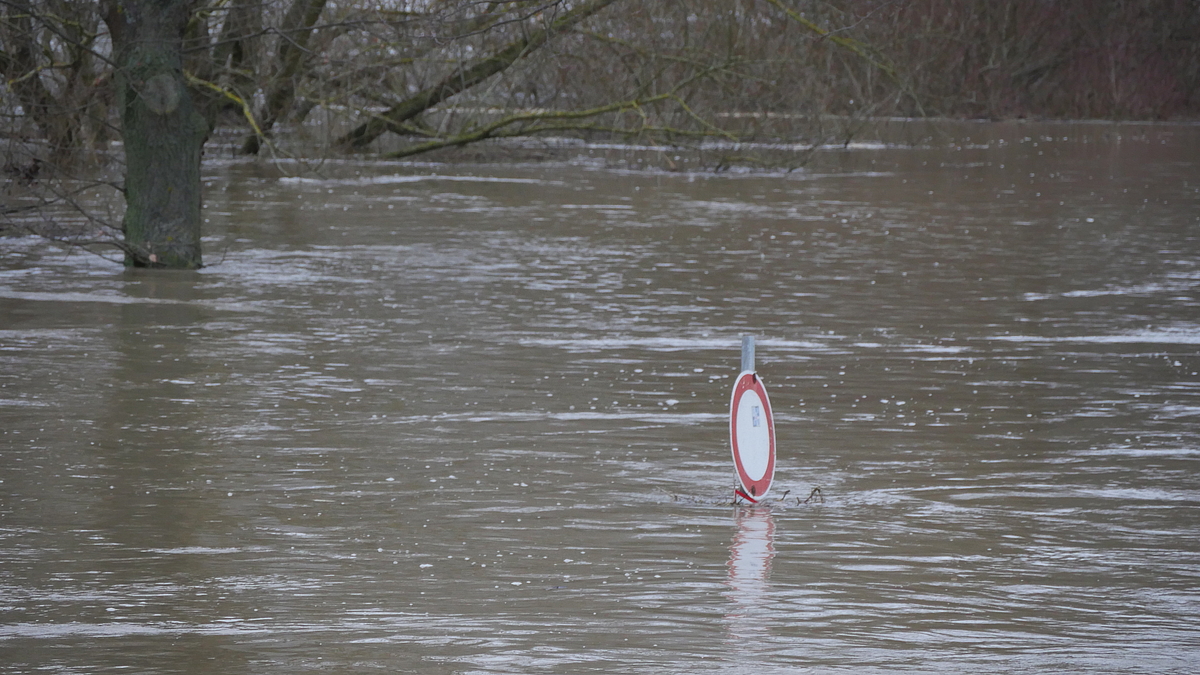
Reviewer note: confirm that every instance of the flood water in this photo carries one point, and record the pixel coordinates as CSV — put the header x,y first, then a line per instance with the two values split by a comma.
x,y
440,418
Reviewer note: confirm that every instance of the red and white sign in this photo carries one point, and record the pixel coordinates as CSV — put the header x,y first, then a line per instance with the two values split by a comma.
x,y
752,435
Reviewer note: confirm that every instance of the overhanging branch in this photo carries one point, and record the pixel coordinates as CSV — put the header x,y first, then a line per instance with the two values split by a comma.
x,y
467,76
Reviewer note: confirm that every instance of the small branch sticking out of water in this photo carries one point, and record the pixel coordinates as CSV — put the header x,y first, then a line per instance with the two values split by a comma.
x,y
814,496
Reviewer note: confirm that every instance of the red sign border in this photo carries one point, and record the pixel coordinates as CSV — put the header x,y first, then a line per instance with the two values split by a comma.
x,y
755,490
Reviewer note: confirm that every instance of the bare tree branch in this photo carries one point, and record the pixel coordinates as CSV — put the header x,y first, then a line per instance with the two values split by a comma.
x,y
465,77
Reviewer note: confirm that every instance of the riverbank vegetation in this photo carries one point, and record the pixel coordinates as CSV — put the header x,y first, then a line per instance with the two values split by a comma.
x,y
400,78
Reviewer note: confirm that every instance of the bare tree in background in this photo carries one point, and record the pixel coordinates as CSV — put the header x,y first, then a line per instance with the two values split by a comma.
x,y
55,74
396,78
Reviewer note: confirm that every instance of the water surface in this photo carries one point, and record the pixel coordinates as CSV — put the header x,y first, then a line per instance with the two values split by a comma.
x,y
474,419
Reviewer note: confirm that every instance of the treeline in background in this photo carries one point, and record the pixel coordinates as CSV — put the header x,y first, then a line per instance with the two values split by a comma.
x,y
405,77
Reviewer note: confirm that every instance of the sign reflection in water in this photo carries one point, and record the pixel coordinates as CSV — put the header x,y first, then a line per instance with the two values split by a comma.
x,y
750,557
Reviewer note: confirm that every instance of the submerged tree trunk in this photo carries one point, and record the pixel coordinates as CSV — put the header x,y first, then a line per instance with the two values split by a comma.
x,y
163,133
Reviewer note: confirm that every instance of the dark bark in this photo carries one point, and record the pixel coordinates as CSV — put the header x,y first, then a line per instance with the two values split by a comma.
x,y
468,76
21,68
227,67
293,52
238,50
163,133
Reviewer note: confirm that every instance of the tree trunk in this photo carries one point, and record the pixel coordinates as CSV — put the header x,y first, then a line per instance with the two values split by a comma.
x,y
163,133
293,52
21,61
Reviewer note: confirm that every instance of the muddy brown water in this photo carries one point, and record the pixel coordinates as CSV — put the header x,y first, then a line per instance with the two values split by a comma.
x,y
473,419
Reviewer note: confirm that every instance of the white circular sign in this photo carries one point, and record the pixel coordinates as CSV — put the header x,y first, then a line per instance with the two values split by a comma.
x,y
752,436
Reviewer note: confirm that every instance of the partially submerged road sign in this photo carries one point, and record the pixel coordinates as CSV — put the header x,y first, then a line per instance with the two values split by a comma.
x,y
751,430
